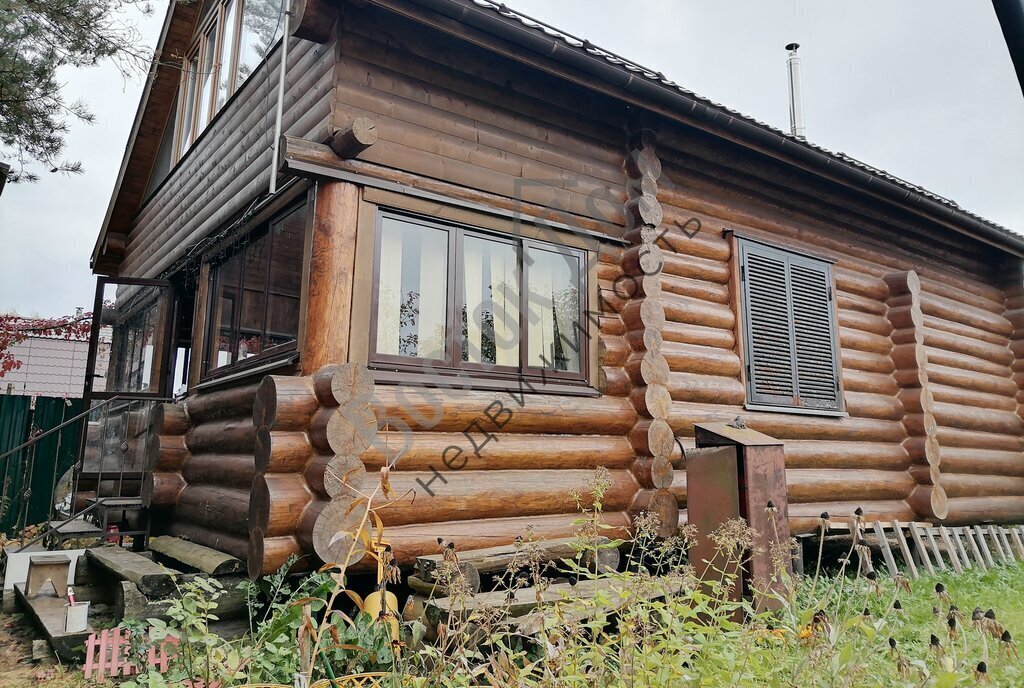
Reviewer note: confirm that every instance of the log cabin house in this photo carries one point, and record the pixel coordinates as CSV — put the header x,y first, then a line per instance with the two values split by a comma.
x,y
548,259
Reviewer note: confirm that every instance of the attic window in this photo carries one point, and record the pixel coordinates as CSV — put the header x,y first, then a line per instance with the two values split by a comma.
x,y
789,330
233,40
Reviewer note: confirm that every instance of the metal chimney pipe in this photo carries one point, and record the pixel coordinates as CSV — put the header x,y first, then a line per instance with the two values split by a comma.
x,y
796,105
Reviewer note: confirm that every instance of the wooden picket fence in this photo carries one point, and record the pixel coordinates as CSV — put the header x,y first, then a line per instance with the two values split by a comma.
x,y
929,548
107,655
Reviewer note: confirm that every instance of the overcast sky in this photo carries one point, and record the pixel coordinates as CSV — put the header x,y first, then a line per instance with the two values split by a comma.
x,y
921,88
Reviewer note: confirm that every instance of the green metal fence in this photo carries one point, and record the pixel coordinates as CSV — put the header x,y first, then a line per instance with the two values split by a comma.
x,y
30,475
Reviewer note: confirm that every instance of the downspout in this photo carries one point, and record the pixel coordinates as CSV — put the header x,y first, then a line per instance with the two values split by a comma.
x,y
279,111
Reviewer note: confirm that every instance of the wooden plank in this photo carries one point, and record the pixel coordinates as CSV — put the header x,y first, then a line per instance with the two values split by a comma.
x,y
883,542
930,535
979,558
897,530
1017,542
498,559
959,543
954,557
922,553
153,579
49,614
196,556
991,530
1006,543
979,535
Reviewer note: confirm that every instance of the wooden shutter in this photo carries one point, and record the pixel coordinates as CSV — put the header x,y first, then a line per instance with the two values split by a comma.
x,y
789,329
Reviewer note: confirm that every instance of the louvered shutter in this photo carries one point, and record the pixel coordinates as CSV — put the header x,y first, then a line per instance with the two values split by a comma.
x,y
817,376
789,330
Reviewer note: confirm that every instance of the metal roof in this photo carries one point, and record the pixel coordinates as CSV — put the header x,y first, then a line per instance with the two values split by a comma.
x,y
913,194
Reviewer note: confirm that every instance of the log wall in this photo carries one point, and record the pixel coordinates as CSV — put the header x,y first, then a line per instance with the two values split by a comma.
x,y
229,165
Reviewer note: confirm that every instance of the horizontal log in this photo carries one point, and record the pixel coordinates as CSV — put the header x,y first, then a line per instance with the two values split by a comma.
x,y
973,333
871,405
929,502
864,341
691,267
682,309
467,494
856,282
957,437
612,351
233,544
885,456
422,450
967,379
221,403
267,555
972,398
971,346
224,436
708,389
653,473
973,510
284,451
703,290
972,363
454,410
284,402
865,322
661,504
613,382
983,420
787,426
276,503
160,490
983,461
219,508
227,470
169,419
850,301
803,518
967,485
201,558
151,578
166,452
965,314
846,485
863,381
409,542
699,335
867,361
707,360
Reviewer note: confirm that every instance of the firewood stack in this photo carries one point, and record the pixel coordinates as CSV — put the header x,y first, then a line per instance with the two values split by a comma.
x,y
644,317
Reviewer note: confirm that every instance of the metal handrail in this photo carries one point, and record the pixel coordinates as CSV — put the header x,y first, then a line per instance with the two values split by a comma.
x,y
74,419
57,527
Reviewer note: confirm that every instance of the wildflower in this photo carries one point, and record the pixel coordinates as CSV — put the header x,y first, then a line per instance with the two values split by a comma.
x,y
866,613
770,508
951,623
385,481
902,666
935,646
981,673
902,582
978,619
892,644
994,628
1007,645
897,606
940,592
955,613
734,536
873,579
823,521
936,611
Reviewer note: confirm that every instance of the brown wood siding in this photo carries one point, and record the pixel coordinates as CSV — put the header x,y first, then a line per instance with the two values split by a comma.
x,y
229,165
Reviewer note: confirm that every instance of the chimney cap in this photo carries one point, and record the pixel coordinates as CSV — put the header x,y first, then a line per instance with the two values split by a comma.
x,y
792,46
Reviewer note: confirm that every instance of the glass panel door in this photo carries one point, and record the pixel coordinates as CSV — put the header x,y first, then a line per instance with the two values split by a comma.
x,y
131,339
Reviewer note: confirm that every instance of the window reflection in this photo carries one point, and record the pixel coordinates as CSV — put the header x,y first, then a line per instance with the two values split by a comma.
x,y
553,306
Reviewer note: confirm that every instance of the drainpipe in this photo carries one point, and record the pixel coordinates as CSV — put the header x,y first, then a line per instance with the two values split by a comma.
x,y
279,111
796,106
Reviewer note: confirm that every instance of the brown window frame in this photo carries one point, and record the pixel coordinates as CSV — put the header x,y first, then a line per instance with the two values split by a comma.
x,y
453,365
210,335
